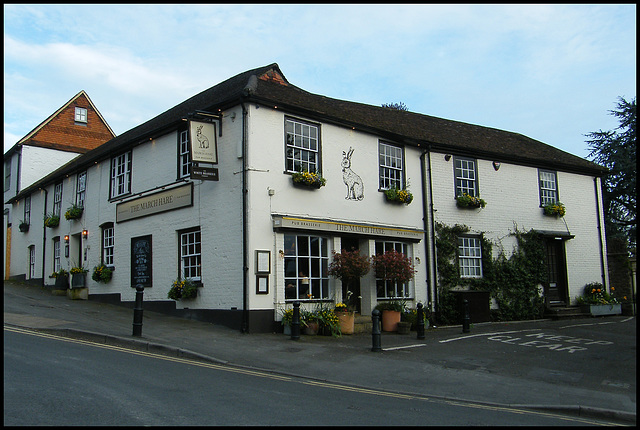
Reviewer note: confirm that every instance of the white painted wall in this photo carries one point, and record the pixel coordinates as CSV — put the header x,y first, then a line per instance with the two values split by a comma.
x,y
512,197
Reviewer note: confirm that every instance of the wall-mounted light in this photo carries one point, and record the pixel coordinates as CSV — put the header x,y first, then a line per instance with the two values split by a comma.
x,y
85,233
496,165
66,238
447,157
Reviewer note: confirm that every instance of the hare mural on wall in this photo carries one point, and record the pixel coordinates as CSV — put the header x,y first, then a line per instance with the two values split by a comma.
x,y
355,187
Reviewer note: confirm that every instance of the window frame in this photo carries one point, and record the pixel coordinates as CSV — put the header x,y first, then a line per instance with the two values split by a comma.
x,y
405,248
57,199
32,261
184,155
469,258
544,200
459,189
27,209
56,251
316,277
197,255
317,152
81,115
7,175
121,179
108,244
383,168
81,189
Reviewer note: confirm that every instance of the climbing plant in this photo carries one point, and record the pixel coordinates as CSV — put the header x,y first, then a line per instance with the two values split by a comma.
x,y
513,282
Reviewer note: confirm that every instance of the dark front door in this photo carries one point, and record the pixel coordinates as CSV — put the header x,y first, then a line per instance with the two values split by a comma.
x,y
556,287
351,244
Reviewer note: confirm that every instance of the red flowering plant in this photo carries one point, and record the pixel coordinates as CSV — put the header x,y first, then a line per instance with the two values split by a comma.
x,y
393,266
349,266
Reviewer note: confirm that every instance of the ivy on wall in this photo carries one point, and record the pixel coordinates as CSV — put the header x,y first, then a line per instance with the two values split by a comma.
x,y
514,282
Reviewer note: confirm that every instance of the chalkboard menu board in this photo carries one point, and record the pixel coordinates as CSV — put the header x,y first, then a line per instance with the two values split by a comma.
x,y
141,259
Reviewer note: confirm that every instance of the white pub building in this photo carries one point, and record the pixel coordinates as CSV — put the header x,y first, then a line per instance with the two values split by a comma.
x,y
206,191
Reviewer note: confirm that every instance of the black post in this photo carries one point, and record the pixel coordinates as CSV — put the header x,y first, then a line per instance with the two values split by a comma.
x,y
295,321
420,323
137,311
375,331
466,319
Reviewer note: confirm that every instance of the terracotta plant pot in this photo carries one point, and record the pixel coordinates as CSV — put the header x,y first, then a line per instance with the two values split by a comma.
x,y
347,322
390,320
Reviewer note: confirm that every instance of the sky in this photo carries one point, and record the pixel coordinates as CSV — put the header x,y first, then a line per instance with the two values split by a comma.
x,y
550,72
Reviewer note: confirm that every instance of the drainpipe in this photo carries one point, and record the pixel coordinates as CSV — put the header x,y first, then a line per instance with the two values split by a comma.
x,y
602,256
432,242
44,235
245,262
425,220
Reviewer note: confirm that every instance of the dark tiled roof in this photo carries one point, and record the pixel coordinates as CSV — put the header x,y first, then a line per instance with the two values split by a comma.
x,y
267,85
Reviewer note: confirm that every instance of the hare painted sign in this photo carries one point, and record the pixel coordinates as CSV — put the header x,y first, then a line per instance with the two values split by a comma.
x,y
204,146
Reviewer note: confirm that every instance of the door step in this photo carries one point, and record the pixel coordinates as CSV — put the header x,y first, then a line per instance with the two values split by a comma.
x,y
362,324
564,312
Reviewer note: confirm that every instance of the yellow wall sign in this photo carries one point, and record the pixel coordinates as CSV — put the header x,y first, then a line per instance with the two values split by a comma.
x,y
151,204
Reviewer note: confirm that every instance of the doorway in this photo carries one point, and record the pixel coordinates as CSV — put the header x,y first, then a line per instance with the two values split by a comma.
x,y
556,287
351,244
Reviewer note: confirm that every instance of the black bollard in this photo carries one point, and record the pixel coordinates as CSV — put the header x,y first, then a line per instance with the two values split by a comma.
x,y
375,331
137,311
466,319
295,321
420,323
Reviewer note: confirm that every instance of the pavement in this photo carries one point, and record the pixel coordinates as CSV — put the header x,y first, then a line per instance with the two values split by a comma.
x,y
445,365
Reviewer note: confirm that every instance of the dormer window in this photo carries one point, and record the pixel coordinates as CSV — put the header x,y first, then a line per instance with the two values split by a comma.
x,y
81,115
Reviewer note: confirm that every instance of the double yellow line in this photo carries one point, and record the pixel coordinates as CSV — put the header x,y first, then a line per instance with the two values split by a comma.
x,y
321,384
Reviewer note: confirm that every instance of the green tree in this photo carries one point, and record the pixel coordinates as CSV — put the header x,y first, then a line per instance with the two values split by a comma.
x,y
397,106
616,150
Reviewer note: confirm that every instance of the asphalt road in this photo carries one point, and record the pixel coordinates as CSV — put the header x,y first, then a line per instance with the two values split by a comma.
x,y
56,381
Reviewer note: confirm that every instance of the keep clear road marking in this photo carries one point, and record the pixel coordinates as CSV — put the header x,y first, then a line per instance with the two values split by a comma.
x,y
542,340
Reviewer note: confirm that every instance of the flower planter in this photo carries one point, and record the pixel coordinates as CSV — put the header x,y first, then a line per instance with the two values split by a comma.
x,y
404,327
78,293
287,330
23,227
303,185
312,328
62,284
347,322
390,320
602,310
78,280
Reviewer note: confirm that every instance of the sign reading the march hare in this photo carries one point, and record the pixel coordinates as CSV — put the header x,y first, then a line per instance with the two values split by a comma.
x,y
203,140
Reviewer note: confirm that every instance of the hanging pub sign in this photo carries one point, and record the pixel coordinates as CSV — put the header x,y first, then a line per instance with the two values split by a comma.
x,y
141,261
204,143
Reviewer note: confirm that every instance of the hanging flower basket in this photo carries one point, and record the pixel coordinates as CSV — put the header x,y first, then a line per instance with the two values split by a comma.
x,y
470,202
23,226
182,289
308,180
74,212
394,195
556,209
52,221
102,274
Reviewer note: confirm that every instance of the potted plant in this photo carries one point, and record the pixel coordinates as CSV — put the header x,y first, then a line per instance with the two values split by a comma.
x,y
78,277
596,301
411,316
23,226
466,201
556,209
329,322
391,314
395,195
308,179
287,317
346,318
349,267
51,221
74,212
102,273
182,289
309,320
62,282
